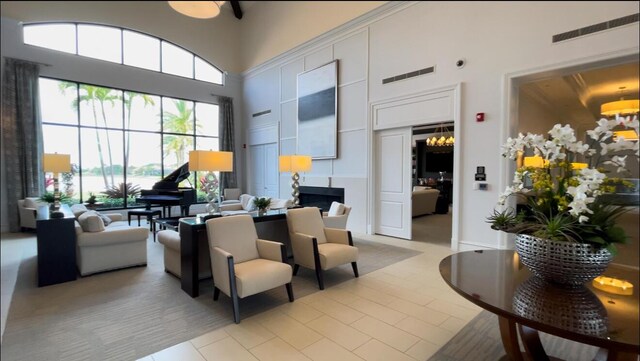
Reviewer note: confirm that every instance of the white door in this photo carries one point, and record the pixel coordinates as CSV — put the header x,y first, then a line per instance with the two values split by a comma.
x,y
271,173
256,182
393,182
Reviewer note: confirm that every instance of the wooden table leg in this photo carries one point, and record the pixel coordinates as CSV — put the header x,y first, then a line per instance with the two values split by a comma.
x,y
532,345
612,355
509,336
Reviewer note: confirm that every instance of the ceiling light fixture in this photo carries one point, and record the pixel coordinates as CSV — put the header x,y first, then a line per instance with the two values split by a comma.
x,y
197,9
442,137
620,107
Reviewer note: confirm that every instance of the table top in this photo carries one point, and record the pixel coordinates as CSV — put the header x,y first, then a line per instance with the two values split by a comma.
x,y
496,281
270,215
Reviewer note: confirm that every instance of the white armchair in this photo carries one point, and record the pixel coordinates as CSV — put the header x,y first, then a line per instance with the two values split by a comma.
x,y
316,246
243,265
28,210
337,216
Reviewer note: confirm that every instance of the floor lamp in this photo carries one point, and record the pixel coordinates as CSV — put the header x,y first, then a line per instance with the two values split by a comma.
x,y
295,164
210,161
56,163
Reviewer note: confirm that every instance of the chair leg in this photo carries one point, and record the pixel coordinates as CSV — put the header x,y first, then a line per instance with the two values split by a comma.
x,y
216,293
236,307
138,220
295,269
129,218
289,291
319,277
354,265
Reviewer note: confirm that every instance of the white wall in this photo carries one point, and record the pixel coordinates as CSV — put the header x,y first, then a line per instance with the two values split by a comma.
x,y
495,38
82,69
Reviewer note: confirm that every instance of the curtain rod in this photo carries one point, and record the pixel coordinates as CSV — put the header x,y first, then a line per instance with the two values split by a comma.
x,y
30,61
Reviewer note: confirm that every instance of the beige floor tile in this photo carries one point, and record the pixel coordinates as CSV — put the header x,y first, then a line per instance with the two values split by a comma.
x,y
375,350
336,331
422,350
249,333
342,296
182,351
423,313
453,324
394,337
301,312
209,338
336,310
453,309
368,293
327,350
425,331
277,350
380,312
292,331
226,349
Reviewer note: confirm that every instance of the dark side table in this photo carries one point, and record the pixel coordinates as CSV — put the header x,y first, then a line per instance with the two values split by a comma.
x,y
56,247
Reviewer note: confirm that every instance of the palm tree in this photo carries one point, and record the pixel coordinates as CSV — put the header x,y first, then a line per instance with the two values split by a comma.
x,y
128,102
180,123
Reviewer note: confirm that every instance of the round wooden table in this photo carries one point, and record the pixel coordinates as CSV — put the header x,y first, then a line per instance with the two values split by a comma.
x,y
496,281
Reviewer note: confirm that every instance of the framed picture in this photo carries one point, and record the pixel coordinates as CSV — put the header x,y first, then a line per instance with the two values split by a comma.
x,y
318,112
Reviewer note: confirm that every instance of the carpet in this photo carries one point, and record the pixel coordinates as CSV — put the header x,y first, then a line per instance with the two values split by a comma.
x,y
131,313
432,228
480,340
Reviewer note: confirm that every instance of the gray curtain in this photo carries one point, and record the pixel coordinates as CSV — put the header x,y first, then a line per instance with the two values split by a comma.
x,y
21,135
227,144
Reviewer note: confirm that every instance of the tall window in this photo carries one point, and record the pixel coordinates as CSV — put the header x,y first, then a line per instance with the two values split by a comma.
x,y
121,46
121,141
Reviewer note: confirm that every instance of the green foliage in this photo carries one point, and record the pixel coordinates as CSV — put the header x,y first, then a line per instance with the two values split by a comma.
x,y
119,191
92,198
262,202
50,198
504,220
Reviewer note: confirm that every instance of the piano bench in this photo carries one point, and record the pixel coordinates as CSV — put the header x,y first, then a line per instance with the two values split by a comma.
x,y
149,213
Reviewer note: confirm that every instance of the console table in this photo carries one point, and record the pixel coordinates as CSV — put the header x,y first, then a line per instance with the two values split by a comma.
x,y
496,281
56,247
192,228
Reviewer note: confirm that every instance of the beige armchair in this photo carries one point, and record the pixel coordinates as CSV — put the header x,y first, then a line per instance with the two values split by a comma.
x,y
28,210
337,216
316,246
243,265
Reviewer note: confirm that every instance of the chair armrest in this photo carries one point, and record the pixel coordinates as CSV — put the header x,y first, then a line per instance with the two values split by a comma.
x,y
325,214
115,217
222,262
231,207
341,236
271,250
303,246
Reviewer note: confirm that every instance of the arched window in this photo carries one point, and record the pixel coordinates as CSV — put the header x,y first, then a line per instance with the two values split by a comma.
x,y
122,46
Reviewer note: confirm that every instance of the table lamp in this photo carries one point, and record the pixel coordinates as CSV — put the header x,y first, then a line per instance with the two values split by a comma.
x,y
56,163
209,161
295,164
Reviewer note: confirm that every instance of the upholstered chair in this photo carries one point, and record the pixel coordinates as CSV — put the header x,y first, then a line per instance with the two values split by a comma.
x,y
316,246
231,194
337,216
243,265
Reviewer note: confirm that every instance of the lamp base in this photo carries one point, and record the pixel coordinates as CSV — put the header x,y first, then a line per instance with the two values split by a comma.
x,y
56,214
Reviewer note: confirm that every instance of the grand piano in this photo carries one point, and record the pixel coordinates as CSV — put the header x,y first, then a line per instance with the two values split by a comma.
x,y
166,193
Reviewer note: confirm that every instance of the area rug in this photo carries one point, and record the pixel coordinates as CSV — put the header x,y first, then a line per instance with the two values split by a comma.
x,y
480,340
131,313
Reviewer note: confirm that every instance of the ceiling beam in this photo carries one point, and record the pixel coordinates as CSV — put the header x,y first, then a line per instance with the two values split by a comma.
x,y
237,11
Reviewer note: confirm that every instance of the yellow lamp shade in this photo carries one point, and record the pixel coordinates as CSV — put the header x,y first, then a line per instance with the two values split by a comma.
x,y
626,134
536,161
294,163
208,160
284,163
56,163
577,166
621,107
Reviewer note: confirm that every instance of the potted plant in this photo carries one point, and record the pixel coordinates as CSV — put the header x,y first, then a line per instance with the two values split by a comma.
x,y
566,232
262,203
92,199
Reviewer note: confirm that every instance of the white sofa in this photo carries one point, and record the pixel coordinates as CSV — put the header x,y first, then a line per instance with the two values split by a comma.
x,y
423,201
337,216
28,210
246,204
109,247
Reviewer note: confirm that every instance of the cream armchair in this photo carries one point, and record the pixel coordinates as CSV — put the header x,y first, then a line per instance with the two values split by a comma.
x,y
28,210
243,265
337,216
316,246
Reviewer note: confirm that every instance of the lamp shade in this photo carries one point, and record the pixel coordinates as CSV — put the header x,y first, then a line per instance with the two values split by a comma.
x,y
197,9
536,161
294,163
208,160
626,134
56,163
621,107
578,166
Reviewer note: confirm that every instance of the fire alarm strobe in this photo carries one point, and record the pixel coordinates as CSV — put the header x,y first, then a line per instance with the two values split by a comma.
x,y
479,117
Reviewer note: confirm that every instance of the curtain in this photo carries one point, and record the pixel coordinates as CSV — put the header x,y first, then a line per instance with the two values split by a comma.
x,y
227,134
21,135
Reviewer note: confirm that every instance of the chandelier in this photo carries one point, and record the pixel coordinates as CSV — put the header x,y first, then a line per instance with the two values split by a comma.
x,y
197,9
442,137
620,107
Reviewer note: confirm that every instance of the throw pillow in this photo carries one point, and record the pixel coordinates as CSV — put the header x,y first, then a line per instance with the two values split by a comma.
x,y
91,222
78,210
106,220
337,209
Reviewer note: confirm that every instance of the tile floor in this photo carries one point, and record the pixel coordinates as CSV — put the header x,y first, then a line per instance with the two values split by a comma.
x,y
401,312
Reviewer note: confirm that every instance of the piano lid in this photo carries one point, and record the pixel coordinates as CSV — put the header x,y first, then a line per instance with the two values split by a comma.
x,y
172,180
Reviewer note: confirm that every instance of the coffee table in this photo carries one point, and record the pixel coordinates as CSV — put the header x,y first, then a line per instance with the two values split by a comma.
x,y
496,281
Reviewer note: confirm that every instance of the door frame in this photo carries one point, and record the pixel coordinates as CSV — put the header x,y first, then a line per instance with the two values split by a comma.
x,y
436,105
